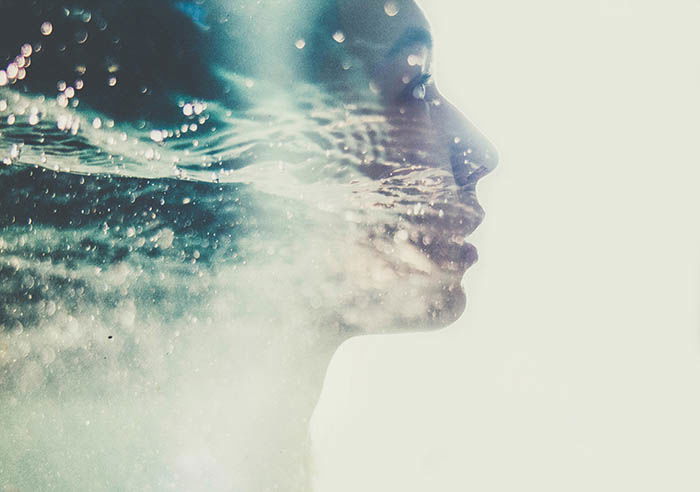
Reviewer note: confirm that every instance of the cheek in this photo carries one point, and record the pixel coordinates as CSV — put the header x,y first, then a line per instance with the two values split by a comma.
x,y
416,138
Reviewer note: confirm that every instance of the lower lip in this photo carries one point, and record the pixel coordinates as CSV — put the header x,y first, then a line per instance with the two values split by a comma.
x,y
468,256
462,258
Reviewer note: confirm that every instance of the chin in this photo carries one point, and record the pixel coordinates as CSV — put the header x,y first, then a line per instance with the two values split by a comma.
x,y
408,309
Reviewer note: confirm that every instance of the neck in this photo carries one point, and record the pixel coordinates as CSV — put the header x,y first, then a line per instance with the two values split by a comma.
x,y
243,422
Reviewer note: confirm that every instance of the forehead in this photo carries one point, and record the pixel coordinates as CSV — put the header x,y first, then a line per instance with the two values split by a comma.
x,y
367,26
381,21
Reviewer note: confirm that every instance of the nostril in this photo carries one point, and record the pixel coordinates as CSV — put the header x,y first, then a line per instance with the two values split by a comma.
x,y
470,162
491,156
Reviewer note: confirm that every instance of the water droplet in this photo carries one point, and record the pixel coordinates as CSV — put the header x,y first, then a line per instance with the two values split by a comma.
x,y
81,37
3,105
300,43
69,92
12,70
338,36
414,60
62,100
33,119
97,123
157,135
3,78
15,152
391,9
186,201
112,81
46,28
11,119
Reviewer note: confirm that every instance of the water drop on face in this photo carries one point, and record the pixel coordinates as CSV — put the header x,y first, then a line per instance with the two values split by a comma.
x,y
414,60
391,9
339,36
46,28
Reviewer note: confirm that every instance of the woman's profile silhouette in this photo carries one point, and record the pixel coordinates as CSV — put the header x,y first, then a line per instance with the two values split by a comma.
x,y
201,200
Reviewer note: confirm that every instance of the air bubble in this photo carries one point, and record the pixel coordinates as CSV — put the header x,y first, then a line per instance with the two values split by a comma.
x,y
12,71
81,37
391,9
158,135
46,28
300,43
339,36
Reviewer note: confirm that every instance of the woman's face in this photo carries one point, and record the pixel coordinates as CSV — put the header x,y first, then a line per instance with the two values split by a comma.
x,y
332,101
433,159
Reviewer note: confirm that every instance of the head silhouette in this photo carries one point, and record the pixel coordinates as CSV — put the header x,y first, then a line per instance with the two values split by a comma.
x,y
233,182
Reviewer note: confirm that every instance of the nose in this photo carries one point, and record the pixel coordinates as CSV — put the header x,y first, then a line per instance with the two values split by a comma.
x,y
472,155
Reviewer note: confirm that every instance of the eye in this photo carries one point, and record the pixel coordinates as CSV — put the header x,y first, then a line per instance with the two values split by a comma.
x,y
417,88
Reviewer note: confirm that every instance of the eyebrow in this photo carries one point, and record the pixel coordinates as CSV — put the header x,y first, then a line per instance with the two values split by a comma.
x,y
411,36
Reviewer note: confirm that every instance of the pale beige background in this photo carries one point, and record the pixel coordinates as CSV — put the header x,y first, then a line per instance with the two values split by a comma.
x,y
577,364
